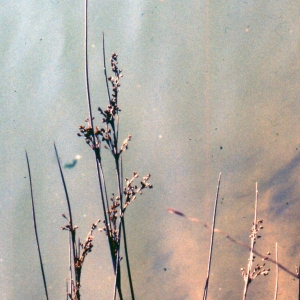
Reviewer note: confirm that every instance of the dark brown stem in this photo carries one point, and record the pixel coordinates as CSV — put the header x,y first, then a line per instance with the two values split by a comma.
x,y
96,149
107,222
127,259
122,226
117,285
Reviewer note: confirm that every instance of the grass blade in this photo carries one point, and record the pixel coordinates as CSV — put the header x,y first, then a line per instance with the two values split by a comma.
x,y
72,237
35,229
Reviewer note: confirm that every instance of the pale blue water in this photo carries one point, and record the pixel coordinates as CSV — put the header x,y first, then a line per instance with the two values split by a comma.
x,y
207,87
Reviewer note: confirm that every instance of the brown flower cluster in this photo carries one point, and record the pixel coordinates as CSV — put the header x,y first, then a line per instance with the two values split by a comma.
x,y
112,109
91,138
112,228
78,257
69,226
87,246
131,190
109,134
258,269
255,229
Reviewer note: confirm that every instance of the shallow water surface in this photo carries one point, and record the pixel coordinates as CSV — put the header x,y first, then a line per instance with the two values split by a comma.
x,y
207,88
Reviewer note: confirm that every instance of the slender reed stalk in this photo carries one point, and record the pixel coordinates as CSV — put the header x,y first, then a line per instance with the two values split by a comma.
x,y
70,265
122,226
104,68
96,147
94,140
212,239
127,260
67,288
117,157
95,137
72,237
298,277
251,274
35,228
276,280
253,236
78,256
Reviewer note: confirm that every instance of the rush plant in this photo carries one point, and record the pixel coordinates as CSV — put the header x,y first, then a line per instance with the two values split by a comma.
x,y
104,137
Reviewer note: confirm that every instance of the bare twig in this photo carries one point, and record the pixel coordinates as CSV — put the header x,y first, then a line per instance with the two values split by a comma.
x,y
35,229
276,282
253,236
212,239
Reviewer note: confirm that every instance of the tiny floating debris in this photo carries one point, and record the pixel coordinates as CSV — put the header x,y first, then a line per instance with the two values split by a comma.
x,y
73,163
174,211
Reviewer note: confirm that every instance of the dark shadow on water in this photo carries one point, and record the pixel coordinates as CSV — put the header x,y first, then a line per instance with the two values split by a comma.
x,y
285,172
70,165
285,185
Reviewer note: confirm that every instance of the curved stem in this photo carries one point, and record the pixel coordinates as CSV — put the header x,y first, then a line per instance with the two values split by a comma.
x,y
71,231
35,229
